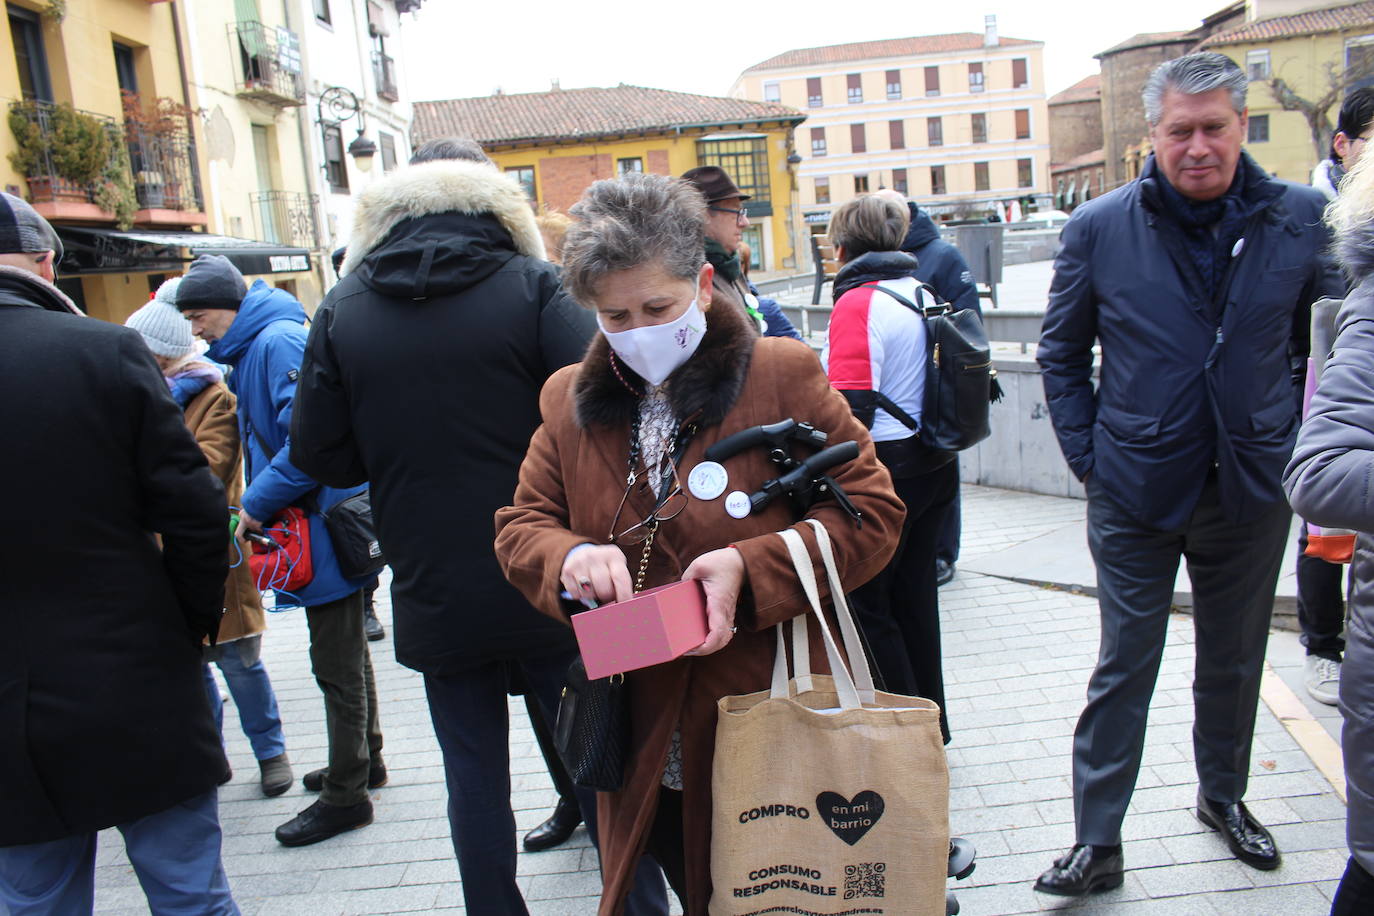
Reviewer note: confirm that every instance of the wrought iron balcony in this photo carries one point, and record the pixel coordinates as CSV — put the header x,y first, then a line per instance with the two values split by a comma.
x,y
286,218
384,73
269,64
164,169
59,148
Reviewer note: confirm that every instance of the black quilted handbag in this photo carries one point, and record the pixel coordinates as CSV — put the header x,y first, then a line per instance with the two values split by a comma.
x,y
592,733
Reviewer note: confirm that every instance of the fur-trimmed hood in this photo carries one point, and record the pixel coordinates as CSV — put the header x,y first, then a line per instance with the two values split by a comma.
x,y
1355,252
444,186
705,387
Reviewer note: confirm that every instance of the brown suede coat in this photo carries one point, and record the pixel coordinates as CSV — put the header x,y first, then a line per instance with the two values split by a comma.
x,y
570,484
211,418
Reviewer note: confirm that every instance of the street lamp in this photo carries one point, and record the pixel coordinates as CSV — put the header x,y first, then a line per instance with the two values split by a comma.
x,y
342,105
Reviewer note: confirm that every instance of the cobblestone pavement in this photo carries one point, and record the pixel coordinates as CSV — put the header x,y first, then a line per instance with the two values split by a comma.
x,y
1017,658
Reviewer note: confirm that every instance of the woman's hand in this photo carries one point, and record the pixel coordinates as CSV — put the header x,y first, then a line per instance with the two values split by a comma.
x,y
598,572
722,575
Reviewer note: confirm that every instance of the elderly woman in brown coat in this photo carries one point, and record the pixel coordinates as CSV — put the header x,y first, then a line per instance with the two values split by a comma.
x,y
198,388
668,377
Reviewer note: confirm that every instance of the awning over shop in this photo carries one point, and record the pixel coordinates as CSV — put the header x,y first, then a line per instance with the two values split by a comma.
x,y
103,251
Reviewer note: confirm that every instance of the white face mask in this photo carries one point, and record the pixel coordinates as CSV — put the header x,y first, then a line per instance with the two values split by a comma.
x,y
656,351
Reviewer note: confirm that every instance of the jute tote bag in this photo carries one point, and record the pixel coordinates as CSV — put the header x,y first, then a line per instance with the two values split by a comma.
x,y
829,797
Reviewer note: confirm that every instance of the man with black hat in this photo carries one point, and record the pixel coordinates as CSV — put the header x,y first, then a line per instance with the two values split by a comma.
x,y
102,704
725,225
260,331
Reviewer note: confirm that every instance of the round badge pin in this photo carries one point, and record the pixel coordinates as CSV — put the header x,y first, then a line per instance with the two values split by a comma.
x,y
707,480
737,504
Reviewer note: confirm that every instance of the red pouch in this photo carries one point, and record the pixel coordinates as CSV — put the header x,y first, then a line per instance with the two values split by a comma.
x,y
288,567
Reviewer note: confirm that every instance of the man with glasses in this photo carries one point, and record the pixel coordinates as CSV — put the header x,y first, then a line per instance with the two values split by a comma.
x,y
726,221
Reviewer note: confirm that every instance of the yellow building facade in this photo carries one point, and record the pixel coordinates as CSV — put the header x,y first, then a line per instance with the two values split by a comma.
x,y
132,86
1303,50
557,143
958,122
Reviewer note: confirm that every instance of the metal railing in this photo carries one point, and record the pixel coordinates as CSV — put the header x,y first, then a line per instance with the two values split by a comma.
x,y
269,64
164,167
286,218
44,173
384,73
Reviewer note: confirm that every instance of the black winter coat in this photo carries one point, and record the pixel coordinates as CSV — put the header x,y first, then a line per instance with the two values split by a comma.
x,y
1186,382
422,375
939,264
103,714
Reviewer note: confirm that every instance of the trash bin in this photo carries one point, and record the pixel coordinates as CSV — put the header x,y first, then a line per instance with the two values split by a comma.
x,y
981,246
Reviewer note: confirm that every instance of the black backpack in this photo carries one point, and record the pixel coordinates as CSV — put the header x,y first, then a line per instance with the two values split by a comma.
x,y
960,382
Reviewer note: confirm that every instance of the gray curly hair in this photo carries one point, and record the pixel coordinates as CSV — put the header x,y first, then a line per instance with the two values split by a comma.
x,y
621,223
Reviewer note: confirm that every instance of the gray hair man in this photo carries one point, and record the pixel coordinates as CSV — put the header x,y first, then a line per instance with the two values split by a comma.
x,y
1196,280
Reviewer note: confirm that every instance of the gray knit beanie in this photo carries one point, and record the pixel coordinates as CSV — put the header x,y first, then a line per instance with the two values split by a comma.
x,y
165,330
212,282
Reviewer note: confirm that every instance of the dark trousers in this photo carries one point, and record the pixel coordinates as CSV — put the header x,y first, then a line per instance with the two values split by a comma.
x,y
666,844
1355,894
899,610
342,666
951,529
1234,569
471,721
543,735
1321,602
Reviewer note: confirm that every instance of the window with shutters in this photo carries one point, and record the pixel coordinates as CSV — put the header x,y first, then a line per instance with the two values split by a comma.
x,y
335,169
937,179
935,132
1023,123
975,76
896,134
855,87
980,177
813,92
860,184
772,92
932,81
388,148
980,127
1020,75
822,190
857,141
818,141
1024,173
899,181
894,85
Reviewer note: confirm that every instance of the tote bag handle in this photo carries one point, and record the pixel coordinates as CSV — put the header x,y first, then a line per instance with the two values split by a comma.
x,y
851,696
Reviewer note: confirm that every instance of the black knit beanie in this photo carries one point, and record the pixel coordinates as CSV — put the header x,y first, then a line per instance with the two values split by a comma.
x,y
212,282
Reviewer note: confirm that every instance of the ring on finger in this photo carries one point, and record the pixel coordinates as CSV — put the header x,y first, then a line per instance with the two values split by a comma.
x,y
584,582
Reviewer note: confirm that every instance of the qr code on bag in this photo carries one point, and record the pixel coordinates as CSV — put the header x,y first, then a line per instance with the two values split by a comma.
x,y
867,879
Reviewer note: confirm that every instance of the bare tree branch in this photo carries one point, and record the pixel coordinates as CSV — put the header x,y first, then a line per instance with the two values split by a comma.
x,y
1338,82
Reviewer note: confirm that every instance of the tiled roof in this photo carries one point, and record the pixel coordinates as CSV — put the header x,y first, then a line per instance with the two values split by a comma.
x,y
889,47
1312,22
571,114
1092,157
1086,89
1145,39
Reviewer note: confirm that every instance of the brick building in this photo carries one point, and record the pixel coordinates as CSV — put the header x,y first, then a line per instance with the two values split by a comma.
x,y
1076,120
557,143
957,121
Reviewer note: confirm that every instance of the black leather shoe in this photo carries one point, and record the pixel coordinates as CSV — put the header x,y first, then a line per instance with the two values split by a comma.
x,y
556,830
321,821
372,627
314,780
944,572
1082,870
1248,839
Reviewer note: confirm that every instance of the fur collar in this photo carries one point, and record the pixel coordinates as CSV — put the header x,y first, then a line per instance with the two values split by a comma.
x,y
709,383
440,187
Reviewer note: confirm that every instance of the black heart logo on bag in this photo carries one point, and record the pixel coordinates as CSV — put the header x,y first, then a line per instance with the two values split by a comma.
x,y
850,820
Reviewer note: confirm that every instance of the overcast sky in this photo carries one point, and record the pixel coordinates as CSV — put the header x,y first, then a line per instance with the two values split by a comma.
x,y
458,48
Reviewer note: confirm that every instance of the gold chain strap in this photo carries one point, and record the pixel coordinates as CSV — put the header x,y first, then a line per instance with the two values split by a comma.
x,y
644,555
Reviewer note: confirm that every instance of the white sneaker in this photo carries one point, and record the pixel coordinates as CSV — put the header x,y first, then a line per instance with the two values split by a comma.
x,y
1323,679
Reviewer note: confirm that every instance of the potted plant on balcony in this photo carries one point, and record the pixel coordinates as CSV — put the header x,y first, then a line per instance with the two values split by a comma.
x,y
157,135
63,161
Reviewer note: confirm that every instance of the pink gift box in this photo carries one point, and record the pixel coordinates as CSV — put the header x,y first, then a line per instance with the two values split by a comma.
x,y
651,628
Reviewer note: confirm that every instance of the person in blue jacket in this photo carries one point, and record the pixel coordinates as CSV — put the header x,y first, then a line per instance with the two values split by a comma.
x,y
1196,279
260,332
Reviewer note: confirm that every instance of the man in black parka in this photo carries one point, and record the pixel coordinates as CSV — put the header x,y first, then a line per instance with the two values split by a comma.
x,y
103,712
422,375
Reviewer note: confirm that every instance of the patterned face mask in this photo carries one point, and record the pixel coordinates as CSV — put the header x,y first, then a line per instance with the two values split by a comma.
x,y
656,351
